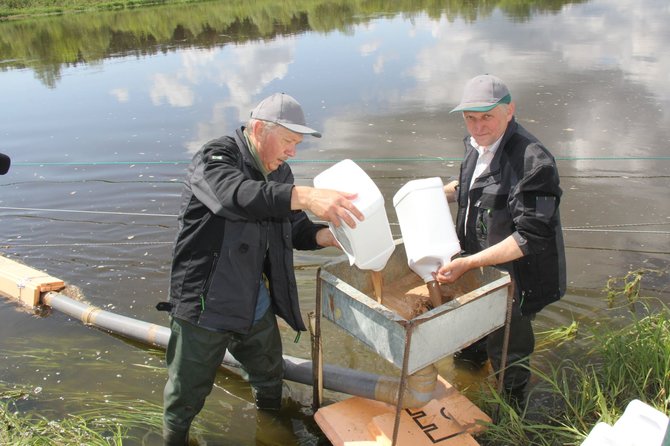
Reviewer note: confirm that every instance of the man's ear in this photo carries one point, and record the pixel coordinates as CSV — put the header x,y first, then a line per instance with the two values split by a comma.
x,y
510,110
256,131
257,128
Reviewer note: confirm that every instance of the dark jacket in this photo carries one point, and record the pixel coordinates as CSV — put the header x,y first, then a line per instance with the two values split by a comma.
x,y
518,195
233,226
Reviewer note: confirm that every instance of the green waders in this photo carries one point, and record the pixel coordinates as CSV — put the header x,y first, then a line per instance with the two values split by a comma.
x,y
193,356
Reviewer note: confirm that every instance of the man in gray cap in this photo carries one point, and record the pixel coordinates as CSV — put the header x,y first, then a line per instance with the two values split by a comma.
x,y
232,271
508,195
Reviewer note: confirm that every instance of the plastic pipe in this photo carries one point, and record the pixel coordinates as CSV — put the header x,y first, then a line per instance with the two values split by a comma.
x,y
419,387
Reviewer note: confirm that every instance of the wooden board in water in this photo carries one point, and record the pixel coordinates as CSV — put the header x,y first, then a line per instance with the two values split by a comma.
x,y
448,419
24,283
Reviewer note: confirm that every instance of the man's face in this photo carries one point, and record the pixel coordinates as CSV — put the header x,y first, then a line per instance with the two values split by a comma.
x,y
487,127
275,145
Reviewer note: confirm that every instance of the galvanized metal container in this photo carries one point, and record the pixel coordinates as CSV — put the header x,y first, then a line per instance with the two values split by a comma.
x,y
480,306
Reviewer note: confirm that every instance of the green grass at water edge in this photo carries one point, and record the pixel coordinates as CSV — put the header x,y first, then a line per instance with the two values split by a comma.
x,y
107,422
622,364
110,420
35,430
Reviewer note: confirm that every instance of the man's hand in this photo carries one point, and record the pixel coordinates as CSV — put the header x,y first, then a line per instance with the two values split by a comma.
x,y
450,191
331,205
450,272
502,252
326,238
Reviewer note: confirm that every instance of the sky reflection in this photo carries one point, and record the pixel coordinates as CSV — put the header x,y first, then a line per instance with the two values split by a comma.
x,y
589,75
568,71
109,132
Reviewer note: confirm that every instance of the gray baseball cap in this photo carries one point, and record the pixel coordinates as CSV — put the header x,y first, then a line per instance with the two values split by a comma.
x,y
284,110
482,93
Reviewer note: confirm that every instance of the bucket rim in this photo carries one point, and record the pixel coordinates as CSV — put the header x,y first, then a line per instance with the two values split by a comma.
x,y
415,185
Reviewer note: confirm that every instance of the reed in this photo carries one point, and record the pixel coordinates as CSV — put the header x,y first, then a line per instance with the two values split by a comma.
x,y
108,420
557,336
620,364
628,286
35,430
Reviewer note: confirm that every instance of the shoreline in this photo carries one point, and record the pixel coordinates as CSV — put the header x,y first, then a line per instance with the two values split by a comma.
x,y
43,8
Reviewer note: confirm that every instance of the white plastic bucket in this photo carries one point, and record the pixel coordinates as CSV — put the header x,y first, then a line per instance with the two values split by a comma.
x,y
640,425
603,434
370,244
426,225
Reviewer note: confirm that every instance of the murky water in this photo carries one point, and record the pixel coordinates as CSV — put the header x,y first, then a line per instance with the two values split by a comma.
x,y
101,113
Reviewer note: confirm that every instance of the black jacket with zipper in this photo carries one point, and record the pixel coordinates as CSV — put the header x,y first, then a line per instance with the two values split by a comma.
x,y
233,226
517,195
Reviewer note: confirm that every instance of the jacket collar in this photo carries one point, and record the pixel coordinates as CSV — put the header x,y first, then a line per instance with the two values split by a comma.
x,y
245,151
241,141
248,158
509,131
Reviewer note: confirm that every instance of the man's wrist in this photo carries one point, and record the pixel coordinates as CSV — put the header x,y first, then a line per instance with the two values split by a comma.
x,y
300,197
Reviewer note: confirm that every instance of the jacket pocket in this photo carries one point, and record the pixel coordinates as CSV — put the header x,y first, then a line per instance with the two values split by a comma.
x,y
537,281
208,279
493,221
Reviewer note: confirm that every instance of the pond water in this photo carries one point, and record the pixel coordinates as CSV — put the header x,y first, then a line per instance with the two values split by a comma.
x,y
101,113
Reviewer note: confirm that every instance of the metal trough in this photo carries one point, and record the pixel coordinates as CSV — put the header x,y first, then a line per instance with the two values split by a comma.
x,y
479,307
480,303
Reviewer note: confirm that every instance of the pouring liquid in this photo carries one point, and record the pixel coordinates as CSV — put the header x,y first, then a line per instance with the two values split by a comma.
x,y
377,284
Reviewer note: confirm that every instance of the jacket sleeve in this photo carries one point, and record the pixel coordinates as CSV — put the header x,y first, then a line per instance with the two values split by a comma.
x,y
534,202
304,231
217,180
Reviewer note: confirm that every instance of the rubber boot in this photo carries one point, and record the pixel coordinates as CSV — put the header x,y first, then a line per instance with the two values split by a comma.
x,y
174,438
264,403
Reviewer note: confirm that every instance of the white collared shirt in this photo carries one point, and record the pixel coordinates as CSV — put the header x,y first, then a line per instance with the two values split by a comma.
x,y
484,159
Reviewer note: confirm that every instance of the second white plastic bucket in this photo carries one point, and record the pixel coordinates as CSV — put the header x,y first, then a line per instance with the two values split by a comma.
x,y
370,244
426,225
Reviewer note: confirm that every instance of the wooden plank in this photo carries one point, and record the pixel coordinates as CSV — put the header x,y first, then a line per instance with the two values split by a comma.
x,y
431,425
24,283
448,419
346,422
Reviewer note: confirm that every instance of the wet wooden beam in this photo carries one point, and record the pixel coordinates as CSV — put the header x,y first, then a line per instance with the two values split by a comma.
x,y
25,284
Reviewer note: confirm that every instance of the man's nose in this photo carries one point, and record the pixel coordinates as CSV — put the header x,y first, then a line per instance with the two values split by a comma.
x,y
291,150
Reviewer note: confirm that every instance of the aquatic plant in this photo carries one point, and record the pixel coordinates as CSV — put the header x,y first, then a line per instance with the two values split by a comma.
x,y
620,364
628,286
20,429
556,336
107,420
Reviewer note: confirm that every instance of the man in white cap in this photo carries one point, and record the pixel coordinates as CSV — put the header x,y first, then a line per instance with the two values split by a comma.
x,y
232,271
508,195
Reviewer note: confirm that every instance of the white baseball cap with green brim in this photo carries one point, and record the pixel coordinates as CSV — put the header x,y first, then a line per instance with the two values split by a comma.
x,y
483,93
284,110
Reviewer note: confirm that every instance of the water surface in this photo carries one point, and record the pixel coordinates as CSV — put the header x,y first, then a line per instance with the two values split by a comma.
x,y
101,113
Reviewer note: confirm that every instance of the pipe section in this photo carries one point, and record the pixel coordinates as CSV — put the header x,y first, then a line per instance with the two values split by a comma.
x,y
418,393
